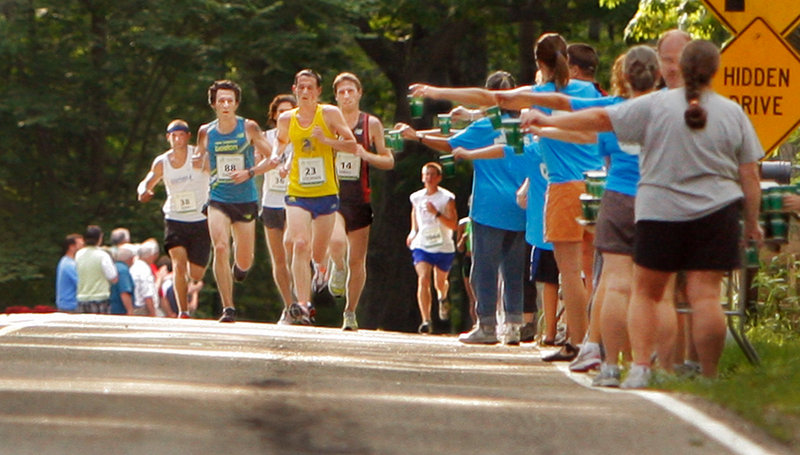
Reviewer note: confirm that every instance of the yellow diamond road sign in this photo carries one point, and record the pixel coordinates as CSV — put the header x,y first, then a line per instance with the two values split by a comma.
x,y
759,71
781,15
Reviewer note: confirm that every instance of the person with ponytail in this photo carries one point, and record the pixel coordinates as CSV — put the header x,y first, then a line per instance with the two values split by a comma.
x,y
699,177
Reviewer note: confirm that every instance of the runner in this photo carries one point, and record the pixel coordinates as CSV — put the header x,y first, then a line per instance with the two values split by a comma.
x,y
186,238
351,231
312,196
227,144
433,220
273,208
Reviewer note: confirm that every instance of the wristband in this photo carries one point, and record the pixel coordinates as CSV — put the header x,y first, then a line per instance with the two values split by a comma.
x,y
251,172
420,137
438,214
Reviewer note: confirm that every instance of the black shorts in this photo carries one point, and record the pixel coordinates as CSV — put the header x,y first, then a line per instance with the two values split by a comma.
x,y
543,266
273,218
707,243
237,212
615,229
192,236
356,216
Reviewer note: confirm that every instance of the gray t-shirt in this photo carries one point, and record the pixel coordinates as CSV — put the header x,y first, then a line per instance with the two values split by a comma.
x,y
686,174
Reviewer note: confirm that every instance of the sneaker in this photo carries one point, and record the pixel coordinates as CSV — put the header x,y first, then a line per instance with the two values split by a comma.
x,y
238,274
425,328
638,378
337,283
511,334
320,279
588,358
349,322
479,335
689,369
286,317
228,315
303,314
184,315
608,377
566,354
527,333
444,309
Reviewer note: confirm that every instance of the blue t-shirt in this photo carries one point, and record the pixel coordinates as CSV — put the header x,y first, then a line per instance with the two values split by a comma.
x,y
537,186
495,181
66,284
623,173
124,284
567,162
228,151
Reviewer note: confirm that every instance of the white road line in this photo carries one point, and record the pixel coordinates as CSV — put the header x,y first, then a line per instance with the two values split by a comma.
x,y
712,428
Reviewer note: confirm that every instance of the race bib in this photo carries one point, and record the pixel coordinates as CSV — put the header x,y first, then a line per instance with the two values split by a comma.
x,y
184,202
348,166
275,182
432,237
312,171
227,165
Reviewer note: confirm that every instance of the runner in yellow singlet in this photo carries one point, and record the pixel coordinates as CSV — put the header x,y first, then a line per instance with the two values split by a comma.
x,y
312,197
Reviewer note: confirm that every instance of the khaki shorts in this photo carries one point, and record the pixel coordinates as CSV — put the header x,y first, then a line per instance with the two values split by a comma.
x,y
562,208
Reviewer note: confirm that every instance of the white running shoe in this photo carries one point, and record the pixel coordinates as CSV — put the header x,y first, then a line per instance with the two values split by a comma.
x,y
286,317
337,283
349,322
638,378
588,358
608,377
511,333
479,335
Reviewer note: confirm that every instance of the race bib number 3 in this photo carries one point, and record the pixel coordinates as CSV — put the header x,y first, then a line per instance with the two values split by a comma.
x,y
184,202
227,165
312,171
348,166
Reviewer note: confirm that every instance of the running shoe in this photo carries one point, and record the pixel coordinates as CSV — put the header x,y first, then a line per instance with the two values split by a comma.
x,y
184,315
425,328
337,283
511,333
527,333
638,377
444,309
303,314
608,377
479,335
238,274
319,279
349,322
589,358
286,317
228,315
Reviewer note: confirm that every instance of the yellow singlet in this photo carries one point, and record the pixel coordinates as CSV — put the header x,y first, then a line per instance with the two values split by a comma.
x,y
313,172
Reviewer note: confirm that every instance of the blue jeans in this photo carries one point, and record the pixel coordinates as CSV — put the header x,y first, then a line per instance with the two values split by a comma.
x,y
495,251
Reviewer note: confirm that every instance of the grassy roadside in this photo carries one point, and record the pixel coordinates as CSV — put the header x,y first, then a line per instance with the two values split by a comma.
x,y
767,395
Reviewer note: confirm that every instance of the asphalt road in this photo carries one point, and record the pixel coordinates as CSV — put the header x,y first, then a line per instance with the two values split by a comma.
x,y
78,384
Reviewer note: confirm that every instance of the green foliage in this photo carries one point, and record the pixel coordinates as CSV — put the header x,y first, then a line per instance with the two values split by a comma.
x,y
654,17
778,308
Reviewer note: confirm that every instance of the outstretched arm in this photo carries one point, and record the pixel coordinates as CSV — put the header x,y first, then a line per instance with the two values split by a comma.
x,y
522,97
465,95
595,119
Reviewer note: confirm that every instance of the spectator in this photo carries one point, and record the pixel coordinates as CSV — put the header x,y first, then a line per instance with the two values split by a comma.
x,y
122,291
67,275
96,273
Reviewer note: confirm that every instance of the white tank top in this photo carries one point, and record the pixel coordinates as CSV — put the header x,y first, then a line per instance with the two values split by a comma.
x,y
273,191
432,236
187,189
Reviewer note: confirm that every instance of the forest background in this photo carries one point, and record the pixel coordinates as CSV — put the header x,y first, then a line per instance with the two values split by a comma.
x,y
87,87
